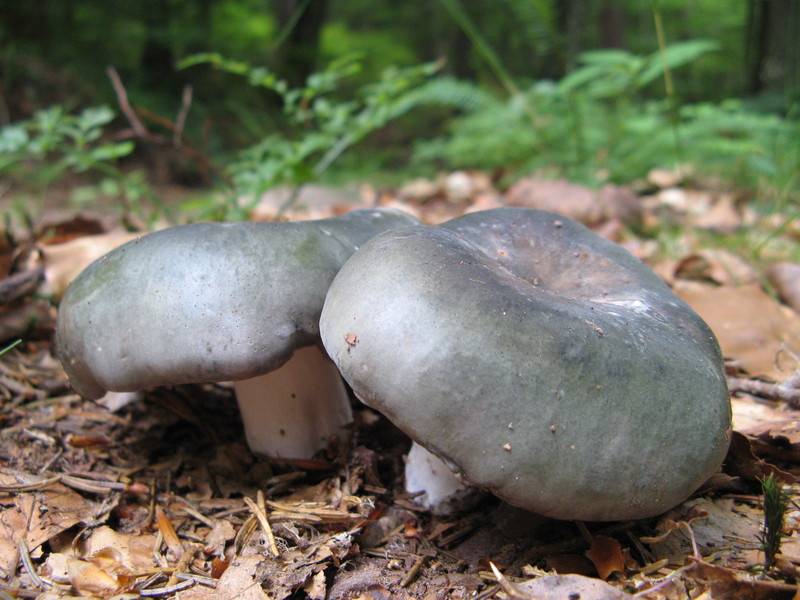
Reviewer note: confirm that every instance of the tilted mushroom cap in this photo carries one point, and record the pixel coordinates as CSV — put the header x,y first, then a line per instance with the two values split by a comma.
x,y
543,362
206,302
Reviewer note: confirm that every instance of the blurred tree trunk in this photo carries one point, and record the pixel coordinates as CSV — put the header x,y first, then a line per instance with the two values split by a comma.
x,y
157,62
570,19
611,25
773,51
756,40
299,53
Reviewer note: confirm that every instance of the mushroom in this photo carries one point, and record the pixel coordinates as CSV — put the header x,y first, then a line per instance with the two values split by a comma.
x,y
542,362
214,302
435,485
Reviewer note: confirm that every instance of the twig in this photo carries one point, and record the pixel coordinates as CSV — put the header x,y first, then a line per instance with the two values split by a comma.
x,y
695,549
29,487
167,590
180,121
125,106
413,571
786,391
261,515
189,509
201,579
20,285
168,533
509,588
26,562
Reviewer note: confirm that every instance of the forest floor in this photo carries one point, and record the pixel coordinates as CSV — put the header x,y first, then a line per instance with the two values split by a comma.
x,y
157,495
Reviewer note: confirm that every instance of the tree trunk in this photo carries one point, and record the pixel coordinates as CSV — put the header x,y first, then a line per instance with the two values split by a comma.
x,y
299,53
157,62
757,43
570,19
773,53
611,24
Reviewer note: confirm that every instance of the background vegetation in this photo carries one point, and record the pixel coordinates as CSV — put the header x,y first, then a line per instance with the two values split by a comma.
x,y
238,96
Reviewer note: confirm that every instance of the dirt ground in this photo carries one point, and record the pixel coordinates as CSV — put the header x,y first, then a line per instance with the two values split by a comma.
x,y
157,495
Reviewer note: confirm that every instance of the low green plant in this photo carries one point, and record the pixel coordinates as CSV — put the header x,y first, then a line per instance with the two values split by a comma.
x,y
10,346
321,123
54,142
37,153
776,501
598,124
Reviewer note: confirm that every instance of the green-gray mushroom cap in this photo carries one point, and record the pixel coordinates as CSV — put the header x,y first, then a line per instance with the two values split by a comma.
x,y
211,302
542,362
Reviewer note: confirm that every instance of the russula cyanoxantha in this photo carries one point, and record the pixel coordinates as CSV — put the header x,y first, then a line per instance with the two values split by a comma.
x,y
540,361
212,302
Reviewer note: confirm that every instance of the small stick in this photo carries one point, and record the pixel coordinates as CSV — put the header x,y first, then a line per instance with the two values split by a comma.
x,y
771,391
19,285
26,562
189,509
167,590
413,571
509,588
125,106
261,516
168,533
201,579
180,121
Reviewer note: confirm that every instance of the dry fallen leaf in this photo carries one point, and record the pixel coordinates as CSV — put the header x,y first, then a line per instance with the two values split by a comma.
x,y
565,564
89,579
312,202
754,417
563,587
726,583
717,266
316,587
238,581
216,539
713,523
742,462
588,206
134,552
721,216
750,325
606,555
63,262
785,277
36,518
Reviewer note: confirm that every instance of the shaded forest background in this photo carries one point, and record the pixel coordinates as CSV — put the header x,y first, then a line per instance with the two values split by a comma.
x,y
594,90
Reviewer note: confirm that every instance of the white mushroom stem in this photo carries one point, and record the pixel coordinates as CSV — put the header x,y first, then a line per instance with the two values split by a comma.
x,y
296,410
443,492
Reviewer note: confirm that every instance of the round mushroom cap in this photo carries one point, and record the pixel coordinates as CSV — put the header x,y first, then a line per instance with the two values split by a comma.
x,y
205,302
543,362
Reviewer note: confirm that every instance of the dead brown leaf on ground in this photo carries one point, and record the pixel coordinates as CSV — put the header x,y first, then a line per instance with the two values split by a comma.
x,y
63,262
155,494
751,326
588,206
559,587
785,277
606,555
36,516
715,266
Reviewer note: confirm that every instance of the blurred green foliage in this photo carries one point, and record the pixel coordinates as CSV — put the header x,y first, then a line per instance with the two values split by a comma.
x,y
318,126
596,124
573,86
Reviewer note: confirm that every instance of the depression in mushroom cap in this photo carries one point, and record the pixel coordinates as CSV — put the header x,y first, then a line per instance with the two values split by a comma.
x,y
214,302
543,362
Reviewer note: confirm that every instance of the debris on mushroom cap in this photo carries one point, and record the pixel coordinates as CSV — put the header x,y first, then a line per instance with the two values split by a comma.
x,y
614,386
205,302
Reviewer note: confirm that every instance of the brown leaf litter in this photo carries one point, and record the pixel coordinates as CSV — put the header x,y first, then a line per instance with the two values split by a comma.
x,y
141,496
